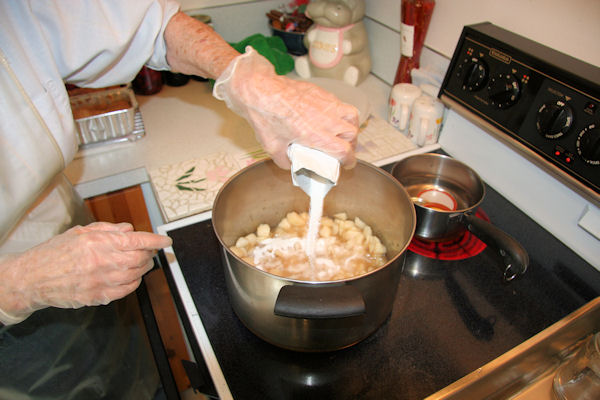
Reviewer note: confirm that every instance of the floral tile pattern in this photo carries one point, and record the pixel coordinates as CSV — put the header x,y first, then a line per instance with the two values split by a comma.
x,y
190,187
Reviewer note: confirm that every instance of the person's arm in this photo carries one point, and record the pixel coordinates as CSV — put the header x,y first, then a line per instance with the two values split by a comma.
x,y
85,266
280,110
194,48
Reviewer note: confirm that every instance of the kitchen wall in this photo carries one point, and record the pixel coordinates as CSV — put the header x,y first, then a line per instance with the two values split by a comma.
x,y
572,27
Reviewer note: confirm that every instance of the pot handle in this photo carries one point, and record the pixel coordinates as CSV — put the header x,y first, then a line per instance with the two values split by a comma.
x,y
514,256
319,302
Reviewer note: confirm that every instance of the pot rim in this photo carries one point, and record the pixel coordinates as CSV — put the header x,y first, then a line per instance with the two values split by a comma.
x,y
391,261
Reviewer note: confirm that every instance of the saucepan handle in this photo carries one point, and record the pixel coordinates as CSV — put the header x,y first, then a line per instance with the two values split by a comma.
x,y
514,256
319,302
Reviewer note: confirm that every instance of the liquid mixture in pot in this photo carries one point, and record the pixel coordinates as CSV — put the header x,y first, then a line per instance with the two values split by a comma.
x,y
344,248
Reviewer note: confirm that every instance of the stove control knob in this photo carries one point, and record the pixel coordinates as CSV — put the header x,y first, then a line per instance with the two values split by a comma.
x,y
504,90
473,74
588,144
554,119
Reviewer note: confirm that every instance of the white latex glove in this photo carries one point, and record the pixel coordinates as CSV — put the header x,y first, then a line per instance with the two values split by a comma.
x,y
84,266
282,110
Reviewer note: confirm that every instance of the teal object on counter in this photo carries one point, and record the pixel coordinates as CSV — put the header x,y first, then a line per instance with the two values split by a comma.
x,y
272,48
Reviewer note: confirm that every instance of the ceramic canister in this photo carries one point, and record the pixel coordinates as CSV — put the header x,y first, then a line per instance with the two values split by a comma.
x,y
401,100
425,120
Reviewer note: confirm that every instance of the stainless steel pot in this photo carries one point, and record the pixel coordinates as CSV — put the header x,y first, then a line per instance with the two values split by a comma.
x,y
302,315
446,194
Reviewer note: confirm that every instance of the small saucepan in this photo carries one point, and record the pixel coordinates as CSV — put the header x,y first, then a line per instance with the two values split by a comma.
x,y
446,194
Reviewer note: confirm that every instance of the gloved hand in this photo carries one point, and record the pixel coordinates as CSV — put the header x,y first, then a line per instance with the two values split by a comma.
x,y
282,110
84,266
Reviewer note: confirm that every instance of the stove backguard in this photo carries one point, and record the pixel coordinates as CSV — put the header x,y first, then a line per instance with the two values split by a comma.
x,y
538,101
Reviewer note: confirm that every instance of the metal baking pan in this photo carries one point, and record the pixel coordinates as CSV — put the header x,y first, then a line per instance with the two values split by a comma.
x,y
526,371
106,116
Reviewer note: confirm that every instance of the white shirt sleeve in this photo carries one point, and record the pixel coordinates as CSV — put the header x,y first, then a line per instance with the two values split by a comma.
x,y
101,43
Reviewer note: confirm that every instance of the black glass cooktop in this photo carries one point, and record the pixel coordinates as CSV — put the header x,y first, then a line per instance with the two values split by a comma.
x,y
449,318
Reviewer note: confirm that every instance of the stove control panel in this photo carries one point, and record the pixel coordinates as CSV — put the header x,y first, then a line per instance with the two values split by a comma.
x,y
539,101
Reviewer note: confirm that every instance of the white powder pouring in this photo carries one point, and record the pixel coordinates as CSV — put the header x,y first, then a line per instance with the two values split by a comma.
x,y
315,173
315,213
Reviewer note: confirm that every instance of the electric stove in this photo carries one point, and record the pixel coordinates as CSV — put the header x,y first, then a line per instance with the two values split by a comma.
x,y
452,314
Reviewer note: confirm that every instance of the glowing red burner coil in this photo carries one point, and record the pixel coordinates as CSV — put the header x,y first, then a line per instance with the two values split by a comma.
x,y
461,247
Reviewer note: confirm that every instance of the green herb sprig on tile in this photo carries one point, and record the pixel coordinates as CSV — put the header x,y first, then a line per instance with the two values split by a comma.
x,y
182,184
